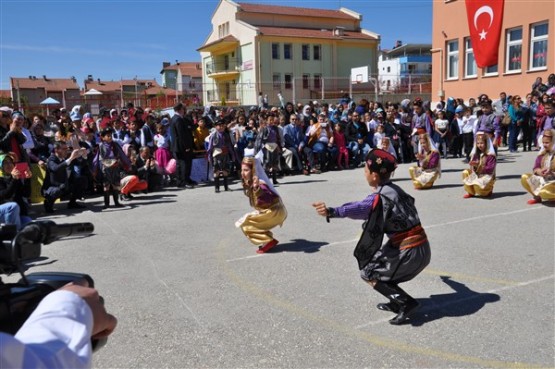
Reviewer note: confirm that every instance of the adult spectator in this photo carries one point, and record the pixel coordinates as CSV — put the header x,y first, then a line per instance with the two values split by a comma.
x,y
58,183
356,133
182,145
517,112
294,142
13,139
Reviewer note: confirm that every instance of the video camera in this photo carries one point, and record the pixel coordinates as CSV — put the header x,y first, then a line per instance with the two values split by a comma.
x,y
18,300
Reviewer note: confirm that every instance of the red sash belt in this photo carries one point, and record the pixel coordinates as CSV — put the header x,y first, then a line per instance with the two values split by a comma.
x,y
412,238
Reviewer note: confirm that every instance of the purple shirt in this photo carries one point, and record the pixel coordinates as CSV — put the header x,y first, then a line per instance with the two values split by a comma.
x,y
489,166
356,209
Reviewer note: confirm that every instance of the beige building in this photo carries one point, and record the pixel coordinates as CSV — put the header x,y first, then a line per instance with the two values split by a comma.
x,y
27,93
526,50
304,53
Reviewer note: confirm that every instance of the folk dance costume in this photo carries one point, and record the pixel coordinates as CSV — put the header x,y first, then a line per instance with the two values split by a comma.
x,y
110,159
269,209
480,178
388,211
269,142
428,169
541,183
219,151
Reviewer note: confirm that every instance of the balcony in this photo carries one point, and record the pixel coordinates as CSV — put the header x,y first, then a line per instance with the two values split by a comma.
x,y
223,68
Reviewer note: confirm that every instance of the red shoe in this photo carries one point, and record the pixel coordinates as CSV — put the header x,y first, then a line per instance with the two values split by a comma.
x,y
266,247
533,201
467,196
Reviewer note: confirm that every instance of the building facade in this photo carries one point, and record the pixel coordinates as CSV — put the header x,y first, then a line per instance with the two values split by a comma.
x,y
28,93
184,77
405,68
526,50
302,53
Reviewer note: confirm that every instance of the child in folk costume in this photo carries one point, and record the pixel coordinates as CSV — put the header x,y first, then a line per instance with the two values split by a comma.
x,y
480,177
269,210
269,142
219,151
541,183
110,159
429,165
387,211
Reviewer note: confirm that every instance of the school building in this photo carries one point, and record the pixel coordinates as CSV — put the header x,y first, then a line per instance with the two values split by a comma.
x,y
304,53
526,49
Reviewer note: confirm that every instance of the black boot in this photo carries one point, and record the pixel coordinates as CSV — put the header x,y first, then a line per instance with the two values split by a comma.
x,y
115,196
407,305
217,184
106,200
386,290
225,184
274,177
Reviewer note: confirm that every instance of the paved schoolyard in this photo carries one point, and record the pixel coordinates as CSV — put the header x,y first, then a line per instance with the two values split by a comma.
x,y
189,290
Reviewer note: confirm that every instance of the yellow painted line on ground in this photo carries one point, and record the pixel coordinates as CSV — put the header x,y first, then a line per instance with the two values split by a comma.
x,y
271,299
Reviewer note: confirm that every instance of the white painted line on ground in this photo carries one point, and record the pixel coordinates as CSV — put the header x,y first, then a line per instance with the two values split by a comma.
x,y
458,301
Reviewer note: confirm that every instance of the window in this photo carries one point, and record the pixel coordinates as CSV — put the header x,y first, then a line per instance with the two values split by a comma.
x,y
275,51
491,70
514,50
276,81
388,69
287,48
453,59
538,46
306,52
317,81
288,79
470,68
316,52
306,81
223,30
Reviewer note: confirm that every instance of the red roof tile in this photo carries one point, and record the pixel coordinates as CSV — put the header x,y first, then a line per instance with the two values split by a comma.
x,y
290,10
193,69
155,90
111,86
5,94
313,33
50,84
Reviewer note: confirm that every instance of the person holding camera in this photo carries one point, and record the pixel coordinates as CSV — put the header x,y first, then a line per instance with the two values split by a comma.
x,y
58,183
59,331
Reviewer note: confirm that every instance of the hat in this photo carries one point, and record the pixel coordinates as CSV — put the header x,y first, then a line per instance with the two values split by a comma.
x,y
75,116
459,109
165,121
485,102
112,111
106,131
8,155
381,161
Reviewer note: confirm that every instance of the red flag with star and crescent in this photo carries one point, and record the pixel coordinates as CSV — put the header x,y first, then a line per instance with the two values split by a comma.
x,y
485,19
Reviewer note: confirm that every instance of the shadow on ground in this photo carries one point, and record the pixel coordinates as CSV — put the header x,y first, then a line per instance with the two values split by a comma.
x,y
462,302
298,245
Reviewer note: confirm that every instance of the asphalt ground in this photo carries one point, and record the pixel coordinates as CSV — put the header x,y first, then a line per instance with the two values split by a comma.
x,y
190,292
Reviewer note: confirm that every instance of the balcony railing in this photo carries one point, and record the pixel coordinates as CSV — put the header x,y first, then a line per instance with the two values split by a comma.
x,y
223,66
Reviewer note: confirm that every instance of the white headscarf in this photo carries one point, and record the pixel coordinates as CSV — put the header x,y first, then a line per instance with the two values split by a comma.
x,y
489,143
432,147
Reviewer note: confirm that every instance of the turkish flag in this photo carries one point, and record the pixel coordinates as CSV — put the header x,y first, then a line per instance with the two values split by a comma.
x,y
485,18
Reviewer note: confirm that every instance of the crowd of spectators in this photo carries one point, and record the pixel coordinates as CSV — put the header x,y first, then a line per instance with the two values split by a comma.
x,y
71,154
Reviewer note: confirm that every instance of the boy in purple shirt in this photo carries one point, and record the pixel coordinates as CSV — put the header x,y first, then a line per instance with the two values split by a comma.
x,y
388,211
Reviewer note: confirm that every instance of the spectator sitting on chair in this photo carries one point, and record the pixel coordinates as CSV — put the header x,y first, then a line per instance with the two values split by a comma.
x,y
58,183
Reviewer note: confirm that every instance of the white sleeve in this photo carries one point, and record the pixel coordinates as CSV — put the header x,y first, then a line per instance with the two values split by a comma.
x,y
56,335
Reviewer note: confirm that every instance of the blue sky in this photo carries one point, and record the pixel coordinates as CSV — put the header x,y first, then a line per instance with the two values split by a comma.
x,y
123,39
